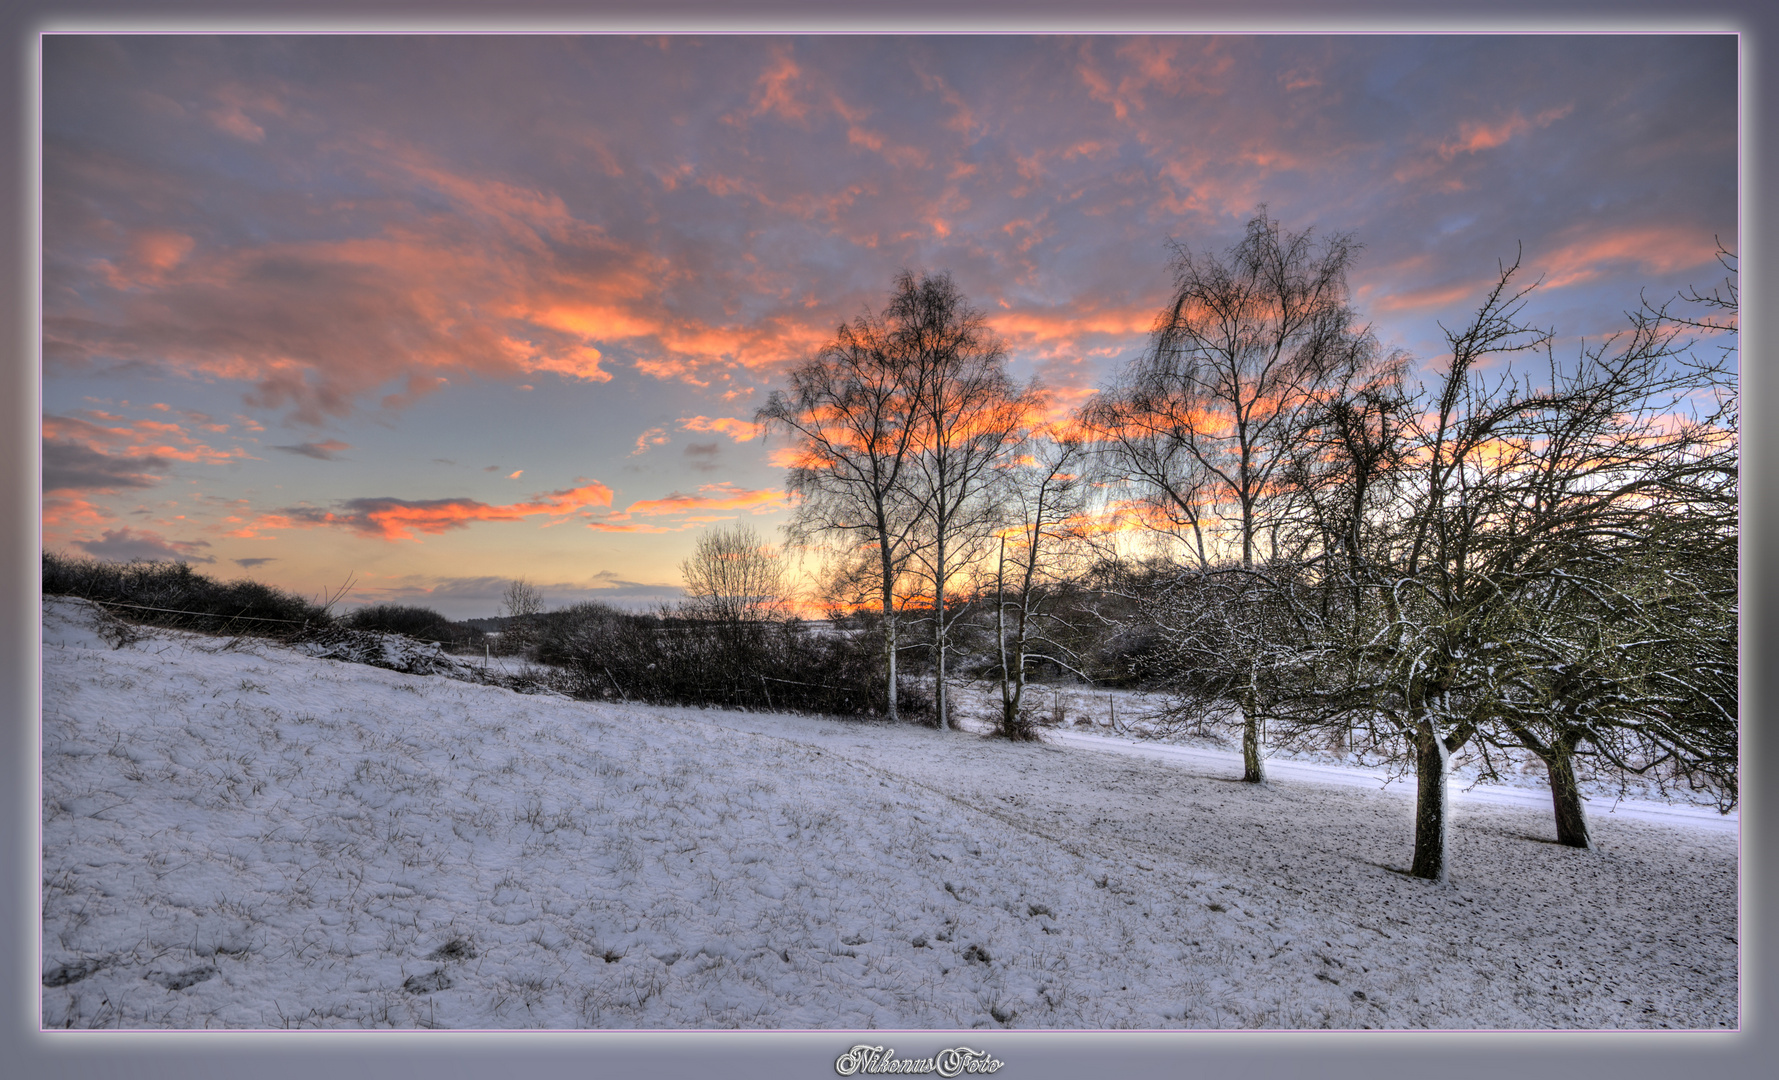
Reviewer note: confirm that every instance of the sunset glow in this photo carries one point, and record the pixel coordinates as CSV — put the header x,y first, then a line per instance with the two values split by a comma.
x,y
436,312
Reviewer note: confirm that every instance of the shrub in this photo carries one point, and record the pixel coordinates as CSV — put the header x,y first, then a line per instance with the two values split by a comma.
x,y
421,623
173,594
779,665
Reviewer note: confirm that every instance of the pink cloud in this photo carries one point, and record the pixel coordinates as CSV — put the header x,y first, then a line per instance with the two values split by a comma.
x,y
63,511
1476,136
139,438
100,453
506,283
1584,254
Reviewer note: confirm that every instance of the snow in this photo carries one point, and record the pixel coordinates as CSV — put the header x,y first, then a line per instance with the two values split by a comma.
x,y
1090,715
239,835
1691,816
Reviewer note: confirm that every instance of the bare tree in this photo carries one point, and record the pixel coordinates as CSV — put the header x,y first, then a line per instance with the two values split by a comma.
x,y
898,423
733,577
1201,424
1417,666
1622,513
1039,551
522,603
852,410
1539,559
970,415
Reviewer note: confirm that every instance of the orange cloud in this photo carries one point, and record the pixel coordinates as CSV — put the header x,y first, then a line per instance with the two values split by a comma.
x,y
83,459
790,457
739,430
502,282
63,511
140,438
786,90
723,496
399,519
1473,137
692,509
776,90
1154,63
1066,344
1060,324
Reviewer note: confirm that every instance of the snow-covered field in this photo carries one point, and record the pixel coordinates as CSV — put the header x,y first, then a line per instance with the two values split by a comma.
x,y
1133,720
238,835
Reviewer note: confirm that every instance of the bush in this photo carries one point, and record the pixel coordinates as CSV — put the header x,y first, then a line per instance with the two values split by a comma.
x,y
778,665
421,623
173,594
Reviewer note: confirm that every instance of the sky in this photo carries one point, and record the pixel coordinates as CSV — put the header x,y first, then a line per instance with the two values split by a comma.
x,y
429,313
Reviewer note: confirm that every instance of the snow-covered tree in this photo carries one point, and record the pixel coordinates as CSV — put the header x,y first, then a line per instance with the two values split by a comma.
x,y
1532,554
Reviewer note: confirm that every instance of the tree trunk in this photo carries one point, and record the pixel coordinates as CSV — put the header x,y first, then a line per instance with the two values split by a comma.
x,y
1432,821
1565,796
939,701
1009,707
1253,772
889,636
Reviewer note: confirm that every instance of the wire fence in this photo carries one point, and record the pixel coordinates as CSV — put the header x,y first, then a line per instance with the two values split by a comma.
x,y
198,614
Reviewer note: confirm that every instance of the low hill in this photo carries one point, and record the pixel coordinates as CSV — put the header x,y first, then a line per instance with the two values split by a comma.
x,y
236,834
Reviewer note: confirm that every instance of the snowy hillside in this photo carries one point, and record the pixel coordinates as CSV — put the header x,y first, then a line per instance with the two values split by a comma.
x,y
237,835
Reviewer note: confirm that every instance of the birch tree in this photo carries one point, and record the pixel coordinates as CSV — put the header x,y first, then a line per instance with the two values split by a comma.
x,y
853,411
1038,551
1201,424
970,416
